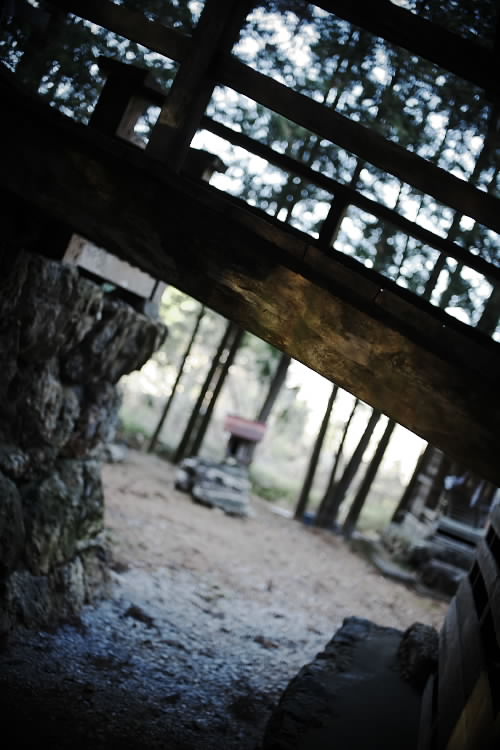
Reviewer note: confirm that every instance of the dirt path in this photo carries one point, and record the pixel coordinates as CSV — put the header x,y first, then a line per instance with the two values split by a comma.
x,y
209,620
273,561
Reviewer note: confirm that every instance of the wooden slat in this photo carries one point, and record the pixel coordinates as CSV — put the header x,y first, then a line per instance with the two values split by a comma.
x,y
360,140
470,637
461,56
451,696
479,716
248,269
495,519
426,725
353,197
489,572
478,710
131,24
85,255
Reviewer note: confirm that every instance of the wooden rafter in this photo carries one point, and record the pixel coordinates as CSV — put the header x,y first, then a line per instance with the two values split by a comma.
x,y
312,115
464,57
129,77
353,197
364,142
131,24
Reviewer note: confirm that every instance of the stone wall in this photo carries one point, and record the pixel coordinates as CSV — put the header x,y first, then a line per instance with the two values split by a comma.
x,y
64,344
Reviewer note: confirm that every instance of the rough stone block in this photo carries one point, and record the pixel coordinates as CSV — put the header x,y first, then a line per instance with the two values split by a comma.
x,y
59,511
11,525
350,696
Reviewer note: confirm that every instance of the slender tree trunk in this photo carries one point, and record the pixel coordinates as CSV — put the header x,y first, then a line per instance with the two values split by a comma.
x,y
202,429
186,437
313,463
323,518
180,372
275,387
454,229
491,312
409,492
447,294
365,486
277,382
352,466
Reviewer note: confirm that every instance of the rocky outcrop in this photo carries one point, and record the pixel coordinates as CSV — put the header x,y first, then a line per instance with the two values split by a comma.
x,y
362,691
64,344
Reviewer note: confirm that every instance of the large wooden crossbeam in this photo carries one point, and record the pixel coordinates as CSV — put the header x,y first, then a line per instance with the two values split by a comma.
x,y
269,279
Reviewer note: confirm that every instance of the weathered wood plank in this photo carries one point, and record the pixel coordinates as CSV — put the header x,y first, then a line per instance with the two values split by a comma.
x,y
249,269
495,519
478,710
353,197
489,572
426,726
470,637
360,140
451,696
131,24
463,57
96,260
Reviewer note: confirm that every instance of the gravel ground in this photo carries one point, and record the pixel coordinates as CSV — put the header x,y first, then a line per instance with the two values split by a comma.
x,y
210,618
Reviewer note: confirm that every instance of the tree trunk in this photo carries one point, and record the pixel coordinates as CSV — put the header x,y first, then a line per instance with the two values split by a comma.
x,y
409,492
364,488
200,434
275,387
353,466
313,463
277,382
180,372
491,312
323,517
186,437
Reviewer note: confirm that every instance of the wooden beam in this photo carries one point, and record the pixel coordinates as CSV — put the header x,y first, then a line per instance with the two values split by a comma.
x,y
353,197
463,57
256,273
360,140
131,24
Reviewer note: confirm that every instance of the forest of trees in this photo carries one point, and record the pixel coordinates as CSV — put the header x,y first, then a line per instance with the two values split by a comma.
x,y
404,98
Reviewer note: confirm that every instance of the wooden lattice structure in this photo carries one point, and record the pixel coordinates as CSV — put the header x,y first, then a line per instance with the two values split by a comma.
x,y
404,356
